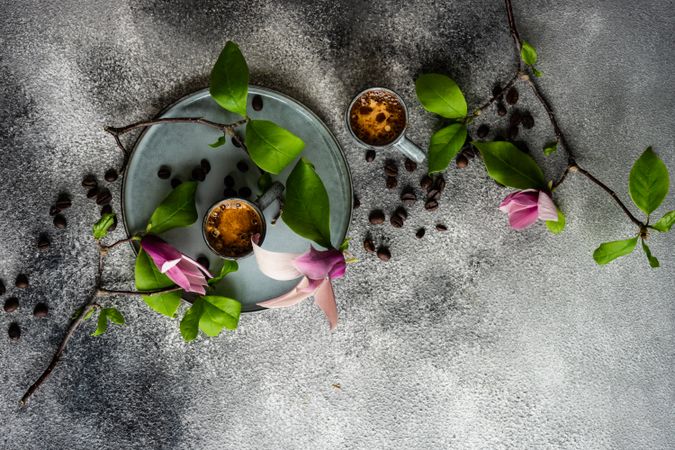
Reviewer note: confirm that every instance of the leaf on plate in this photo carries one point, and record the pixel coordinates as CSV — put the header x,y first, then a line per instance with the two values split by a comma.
x,y
229,266
176,210
271,147
149,278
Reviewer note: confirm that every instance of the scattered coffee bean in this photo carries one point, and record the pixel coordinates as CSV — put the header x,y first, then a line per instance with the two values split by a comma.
x,y
235,141
515,119
512,133
43,242
14,331
441,227
113,227
408,197
198,174
439,183
242,166
89,181
410,165
497,91
376,217
63,202
469,151
528,120
434,194
420,233
60,221
425,182
103,197
384,254
205,165
462,161
204,261
41,310
2,288
21,281
54,210
110,175
370,155
356,203
431,205
482,131
93,192
107,209
512,96
501,109
164,172
175,182
396,221
11,304
229,193
369,245
402,212
229,181
257,103
390,168
391,182
245,192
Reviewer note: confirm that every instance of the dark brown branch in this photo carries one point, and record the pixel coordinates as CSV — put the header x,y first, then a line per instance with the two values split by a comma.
x,y
101,292
514,33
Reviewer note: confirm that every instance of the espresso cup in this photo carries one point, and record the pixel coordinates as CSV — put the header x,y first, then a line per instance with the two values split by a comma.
x,y
377,118
229,224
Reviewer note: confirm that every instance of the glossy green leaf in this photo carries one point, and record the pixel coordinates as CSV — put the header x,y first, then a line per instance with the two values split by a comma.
x,y
306,208
345,244
537,73
89,314
210,314
559,226
189,326
149,278
219,142
444,145
528,54
648,182
101,324
271,147
176,210
440,95
114,316
104,223
229,266
609,251
665,223
229,80
653,261
509,166
550,148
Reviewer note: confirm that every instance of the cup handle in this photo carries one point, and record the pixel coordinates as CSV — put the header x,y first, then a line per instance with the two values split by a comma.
x,y
270,195
409,149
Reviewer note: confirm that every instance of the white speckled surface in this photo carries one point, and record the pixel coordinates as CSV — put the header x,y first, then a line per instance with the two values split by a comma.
x,y
480,337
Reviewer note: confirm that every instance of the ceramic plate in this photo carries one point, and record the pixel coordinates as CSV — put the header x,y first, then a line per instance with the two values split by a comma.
x,y
183,146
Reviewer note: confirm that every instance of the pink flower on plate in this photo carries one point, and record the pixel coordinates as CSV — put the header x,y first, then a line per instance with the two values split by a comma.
x,y
525,207
317,269
182,270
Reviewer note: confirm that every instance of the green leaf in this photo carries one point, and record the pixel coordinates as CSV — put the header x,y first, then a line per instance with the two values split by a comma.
x,y
345,244
550,148
189,326
559,226
271,147
537,73
102,324
229,80
609,251
229,266
507,165
149,278
440,95
665,223
104,223
210,313
648,182
307,209
264,182
528,54
114,316
444,145
221,141
653,261
176,210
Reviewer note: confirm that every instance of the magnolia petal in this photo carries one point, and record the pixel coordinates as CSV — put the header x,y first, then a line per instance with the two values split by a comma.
x,y
169,265
318,265
276,265
519,199
546,207
292,297
178,277
159,250
189,262
523,218
325,299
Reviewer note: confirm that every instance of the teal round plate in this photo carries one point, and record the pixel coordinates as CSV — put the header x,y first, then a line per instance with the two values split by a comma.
x,y
183,146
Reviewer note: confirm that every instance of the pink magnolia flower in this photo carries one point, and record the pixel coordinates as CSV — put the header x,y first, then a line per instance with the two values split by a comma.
x,y
182,270
525,207
317,269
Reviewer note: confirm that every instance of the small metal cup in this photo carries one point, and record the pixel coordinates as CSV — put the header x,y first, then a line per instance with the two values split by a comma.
x,y
401,143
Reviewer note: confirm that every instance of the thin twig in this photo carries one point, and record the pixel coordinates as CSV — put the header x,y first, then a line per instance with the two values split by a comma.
x,y
514,33
116,243
101,292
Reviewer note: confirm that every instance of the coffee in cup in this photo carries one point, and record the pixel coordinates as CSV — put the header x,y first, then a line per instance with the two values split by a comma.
x,y
229,226
377,117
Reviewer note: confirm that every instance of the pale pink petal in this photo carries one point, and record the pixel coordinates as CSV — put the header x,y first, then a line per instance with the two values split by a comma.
x,y
158,250
523,218
526,198
547,209
505,205
317,265
292,297
178,277
169,264
278,266
325,299
187,262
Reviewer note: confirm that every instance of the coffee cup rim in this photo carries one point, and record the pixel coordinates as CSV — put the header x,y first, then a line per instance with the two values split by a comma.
x,y
365,144
255,207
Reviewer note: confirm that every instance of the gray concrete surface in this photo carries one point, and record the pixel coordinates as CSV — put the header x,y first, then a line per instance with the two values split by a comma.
x,y
480,337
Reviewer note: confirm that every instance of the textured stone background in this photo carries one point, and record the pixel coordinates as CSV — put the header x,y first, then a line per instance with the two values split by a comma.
x,y
480,337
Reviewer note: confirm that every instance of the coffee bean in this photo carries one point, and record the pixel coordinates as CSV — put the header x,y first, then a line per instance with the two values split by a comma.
x,y
528,120
370,155
164,172
59,221
515,119
469,152
391,182
368,245
107,209
113,227
198,174
420,233
110,175
104,197
41,310
229,181
242,166
21,281
402,212
390,168
434,194
229,193
205,165
54,210
376,217
257,103
408,197
11,304
441,227
431,205
43,242
93,192
425,182
462,161
204,261
235,141
14,331
89,181
496,91
63,201
439,183
356,203
2,288
482,131
245,192
384,254
512,96
410,165
396,221
175,182
512,133
501,109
